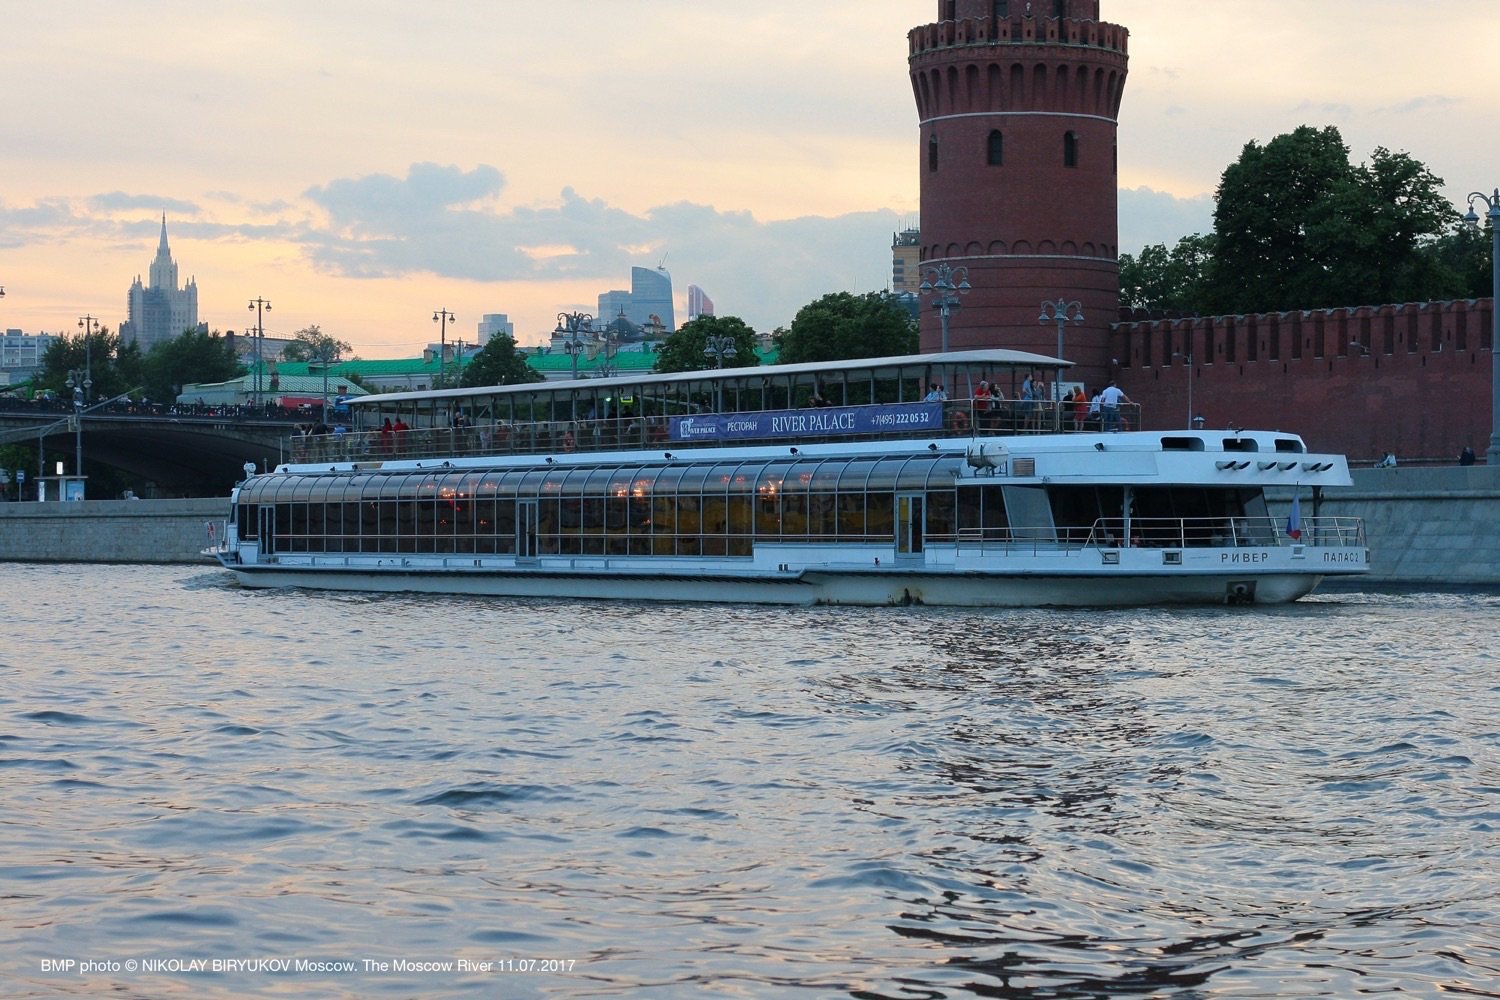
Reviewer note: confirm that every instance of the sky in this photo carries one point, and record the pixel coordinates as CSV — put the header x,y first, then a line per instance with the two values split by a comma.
x,y
363,164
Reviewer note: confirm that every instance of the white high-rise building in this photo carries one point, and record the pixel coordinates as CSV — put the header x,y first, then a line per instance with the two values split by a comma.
x,y
494,323
160,311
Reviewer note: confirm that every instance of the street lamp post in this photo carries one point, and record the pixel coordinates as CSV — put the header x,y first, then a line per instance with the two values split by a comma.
x,y
945,284
260,306
1492,202
721,348
1191,420
80,383
1062,310
577,326
444,317
90,326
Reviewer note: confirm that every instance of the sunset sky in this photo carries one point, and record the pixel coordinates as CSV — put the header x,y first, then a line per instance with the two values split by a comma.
x,y
363,163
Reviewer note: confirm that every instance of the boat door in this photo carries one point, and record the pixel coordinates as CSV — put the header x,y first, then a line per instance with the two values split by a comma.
x,y
526,527
266,516
910,523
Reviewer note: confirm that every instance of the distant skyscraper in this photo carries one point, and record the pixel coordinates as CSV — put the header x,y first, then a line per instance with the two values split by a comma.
x,y
161,311
906,261
649,298
699,304
496,323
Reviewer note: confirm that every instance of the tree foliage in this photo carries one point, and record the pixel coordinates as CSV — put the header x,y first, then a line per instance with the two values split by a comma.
x,y
192,357
1167,280
499,363
113,369
1297,225
841,325
1274,206
312,344
686,349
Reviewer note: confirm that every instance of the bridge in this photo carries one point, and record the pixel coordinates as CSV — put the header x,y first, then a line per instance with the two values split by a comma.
x,y
183,454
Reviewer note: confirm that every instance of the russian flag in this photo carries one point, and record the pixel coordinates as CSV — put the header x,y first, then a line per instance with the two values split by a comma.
x,y
1294,519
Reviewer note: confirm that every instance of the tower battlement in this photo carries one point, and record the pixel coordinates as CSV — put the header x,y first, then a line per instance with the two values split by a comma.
x,y
1018,30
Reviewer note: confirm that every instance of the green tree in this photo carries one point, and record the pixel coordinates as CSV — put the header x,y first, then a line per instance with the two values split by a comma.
x,y
842,325
193,357
499,363
1373,230
1162,280
686,349
1268,200
97,354
1461,260
1298,226
312,344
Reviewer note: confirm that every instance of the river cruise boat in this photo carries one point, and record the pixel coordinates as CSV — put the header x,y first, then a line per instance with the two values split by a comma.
x,y
850,482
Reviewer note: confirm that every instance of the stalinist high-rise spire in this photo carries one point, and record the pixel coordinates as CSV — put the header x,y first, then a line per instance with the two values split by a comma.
x,y
160,311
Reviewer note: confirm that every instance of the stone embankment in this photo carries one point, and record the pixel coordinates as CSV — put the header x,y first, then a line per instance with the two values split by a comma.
x,y
1425,526
111,531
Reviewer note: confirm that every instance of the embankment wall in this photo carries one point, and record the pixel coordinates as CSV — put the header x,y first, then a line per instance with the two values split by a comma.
x,y
110,531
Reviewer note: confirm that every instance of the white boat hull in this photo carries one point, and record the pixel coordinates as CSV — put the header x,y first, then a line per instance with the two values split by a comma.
x,y
869,587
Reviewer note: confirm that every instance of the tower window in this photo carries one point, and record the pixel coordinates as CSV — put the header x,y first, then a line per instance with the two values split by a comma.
x,y
995,149
1060,8
932,154
1002,10
1070,149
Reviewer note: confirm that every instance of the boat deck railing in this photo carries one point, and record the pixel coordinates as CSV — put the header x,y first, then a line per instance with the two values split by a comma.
x,y
1177,533
554,437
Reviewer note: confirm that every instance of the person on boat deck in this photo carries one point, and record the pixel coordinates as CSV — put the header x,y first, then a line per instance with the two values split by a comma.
x,y
935,394
1110,399
817,398
1080,408
1387,461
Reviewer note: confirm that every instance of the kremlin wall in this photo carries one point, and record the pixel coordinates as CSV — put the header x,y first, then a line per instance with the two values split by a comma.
x,y
1411,379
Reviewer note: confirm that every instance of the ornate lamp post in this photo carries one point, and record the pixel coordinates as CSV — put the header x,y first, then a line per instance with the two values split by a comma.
x,y
579,327
1492,202
721,348
945,284
260,306
80,383
90,326
444,317
1062,310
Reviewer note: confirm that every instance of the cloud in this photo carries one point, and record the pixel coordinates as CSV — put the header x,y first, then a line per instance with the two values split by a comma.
x,y
119,201
1148,216
445,221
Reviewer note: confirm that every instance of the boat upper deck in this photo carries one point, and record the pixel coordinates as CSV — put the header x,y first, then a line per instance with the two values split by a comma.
x,y
896,398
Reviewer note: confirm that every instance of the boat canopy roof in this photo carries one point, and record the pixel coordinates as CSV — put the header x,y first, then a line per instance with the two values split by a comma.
x,y
906,365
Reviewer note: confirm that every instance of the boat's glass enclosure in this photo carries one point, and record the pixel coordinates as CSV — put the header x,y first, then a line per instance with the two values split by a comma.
x,y
726,509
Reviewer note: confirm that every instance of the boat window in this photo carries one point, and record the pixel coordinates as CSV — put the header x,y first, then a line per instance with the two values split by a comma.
x,y
981,512
1077,510
1181,444
1290,445
1029,512
1241,444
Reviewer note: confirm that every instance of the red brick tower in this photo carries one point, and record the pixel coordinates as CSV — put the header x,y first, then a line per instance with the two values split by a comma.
x,y
1018,103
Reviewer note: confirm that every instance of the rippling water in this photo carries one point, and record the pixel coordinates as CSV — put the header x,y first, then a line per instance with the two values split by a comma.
x,y
617,800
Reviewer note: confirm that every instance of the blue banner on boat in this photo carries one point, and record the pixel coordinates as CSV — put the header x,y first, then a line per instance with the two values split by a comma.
x,y
830,420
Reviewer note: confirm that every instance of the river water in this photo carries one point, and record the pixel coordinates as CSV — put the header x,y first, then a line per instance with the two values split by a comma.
x,y
212,792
